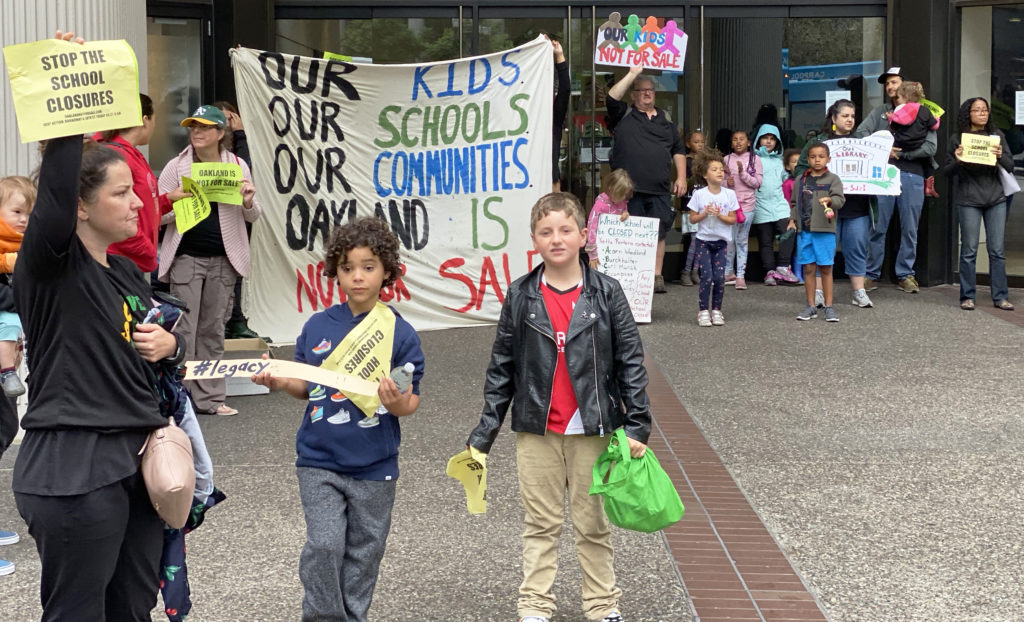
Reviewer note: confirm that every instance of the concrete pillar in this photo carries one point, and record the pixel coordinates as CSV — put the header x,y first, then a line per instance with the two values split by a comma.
x,y
22,21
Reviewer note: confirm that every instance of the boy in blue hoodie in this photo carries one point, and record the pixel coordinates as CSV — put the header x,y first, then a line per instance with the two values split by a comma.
x,y
348,445
771,212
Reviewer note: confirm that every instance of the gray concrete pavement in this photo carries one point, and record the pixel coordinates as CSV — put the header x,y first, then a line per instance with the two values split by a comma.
x,y
883,452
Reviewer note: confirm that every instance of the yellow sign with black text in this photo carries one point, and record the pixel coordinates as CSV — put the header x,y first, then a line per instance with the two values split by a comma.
x,y
978,148
62,88
221,181
191,211
365,353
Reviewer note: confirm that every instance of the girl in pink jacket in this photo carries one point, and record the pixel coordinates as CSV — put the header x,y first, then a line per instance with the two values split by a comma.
x,y
743,176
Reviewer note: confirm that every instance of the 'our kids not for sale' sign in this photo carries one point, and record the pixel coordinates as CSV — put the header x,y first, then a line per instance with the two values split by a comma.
x,y
451,154
651,42
62,88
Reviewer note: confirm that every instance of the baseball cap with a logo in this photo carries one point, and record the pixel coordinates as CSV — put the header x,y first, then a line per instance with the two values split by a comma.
x,y
892,71
206,115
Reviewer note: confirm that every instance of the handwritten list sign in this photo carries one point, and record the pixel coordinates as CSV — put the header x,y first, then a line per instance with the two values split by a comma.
x,y
627,250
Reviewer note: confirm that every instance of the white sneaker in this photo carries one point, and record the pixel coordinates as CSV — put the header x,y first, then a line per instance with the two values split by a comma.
x,y
534,619
704,318
717,319
860,298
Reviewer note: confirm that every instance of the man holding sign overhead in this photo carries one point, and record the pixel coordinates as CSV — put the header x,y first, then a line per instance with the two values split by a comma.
x,y
206,248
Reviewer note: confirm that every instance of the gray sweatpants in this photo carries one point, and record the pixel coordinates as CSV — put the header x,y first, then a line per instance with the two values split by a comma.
x,y
347,524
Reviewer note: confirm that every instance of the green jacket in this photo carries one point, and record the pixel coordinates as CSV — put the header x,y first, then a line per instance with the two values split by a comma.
x,y
807,212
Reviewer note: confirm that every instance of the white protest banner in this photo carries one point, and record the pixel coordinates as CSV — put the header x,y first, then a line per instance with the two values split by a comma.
x,y
1018,108
626,250
62,88
863,164
452,155
651,42
244,368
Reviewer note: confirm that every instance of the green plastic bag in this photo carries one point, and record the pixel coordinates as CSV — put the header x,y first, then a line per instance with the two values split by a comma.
x,y
638,494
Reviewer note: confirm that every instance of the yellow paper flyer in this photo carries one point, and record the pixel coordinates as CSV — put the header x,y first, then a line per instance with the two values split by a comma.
x,y
62,88
365,352
978,149
470,468
933,108
221,181
190,211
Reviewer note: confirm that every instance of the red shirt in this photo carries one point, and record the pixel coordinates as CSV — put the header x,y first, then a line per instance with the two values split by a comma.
x,y
140,248
563,408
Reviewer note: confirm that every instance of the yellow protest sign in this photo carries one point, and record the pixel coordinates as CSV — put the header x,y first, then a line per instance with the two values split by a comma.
x,y
978,148
365,352
933,108
333,56
190,211
221,181
470,468
62,88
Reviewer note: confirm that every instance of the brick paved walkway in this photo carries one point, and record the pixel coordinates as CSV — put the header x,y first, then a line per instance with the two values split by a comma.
x,y
730,564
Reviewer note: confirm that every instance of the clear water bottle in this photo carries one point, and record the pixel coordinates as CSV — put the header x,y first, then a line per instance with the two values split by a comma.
x,y
403,376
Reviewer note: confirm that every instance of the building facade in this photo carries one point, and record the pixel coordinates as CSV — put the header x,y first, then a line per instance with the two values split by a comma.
x,y
740,55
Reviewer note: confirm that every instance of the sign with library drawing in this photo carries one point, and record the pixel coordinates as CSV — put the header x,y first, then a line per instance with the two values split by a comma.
x,y
653,42
626,250
863,164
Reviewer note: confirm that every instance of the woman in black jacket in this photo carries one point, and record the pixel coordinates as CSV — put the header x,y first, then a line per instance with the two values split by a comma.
x,y
978,195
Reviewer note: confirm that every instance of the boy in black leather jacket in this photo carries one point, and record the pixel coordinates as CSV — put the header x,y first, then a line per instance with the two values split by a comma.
x,y
569,360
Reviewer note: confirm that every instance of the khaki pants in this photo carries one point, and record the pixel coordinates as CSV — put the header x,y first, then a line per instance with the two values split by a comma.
x,y
205,284
546,464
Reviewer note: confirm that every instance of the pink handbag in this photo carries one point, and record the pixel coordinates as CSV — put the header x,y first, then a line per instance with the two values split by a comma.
x,y
740,216
169,473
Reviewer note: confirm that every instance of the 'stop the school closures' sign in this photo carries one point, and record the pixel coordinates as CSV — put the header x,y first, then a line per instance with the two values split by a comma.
x,y
651,42
62,88
452,155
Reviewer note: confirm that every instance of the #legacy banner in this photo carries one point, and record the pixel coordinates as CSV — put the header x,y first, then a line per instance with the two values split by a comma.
x,y
451,154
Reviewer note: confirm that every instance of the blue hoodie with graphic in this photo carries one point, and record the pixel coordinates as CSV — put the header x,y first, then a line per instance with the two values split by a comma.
x,y
330,435
770,203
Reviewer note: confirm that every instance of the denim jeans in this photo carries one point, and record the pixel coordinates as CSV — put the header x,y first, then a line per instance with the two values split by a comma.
x,y
970,232
909,203
854,234
737,249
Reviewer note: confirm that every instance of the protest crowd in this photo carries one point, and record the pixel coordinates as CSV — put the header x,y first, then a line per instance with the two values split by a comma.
x,y
149,271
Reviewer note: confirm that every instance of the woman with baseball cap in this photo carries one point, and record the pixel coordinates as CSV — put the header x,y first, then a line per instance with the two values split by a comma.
x,y
203,263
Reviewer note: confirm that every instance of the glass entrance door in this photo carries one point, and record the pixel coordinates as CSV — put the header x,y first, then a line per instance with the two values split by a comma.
x,y
177,74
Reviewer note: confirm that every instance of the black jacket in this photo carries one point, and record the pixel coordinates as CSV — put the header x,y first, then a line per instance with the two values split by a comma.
x,y
603,353
977,185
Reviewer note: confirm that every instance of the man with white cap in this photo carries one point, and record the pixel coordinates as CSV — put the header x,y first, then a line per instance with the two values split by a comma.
x,y
912,166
